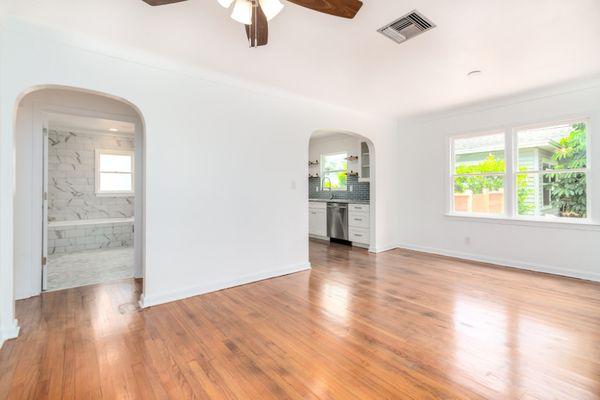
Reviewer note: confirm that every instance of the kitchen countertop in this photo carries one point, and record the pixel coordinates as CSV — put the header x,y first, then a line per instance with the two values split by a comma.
x,y
341,201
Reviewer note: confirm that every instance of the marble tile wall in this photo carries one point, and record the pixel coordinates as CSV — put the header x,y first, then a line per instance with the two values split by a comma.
x,y
71,194
72,239
71,177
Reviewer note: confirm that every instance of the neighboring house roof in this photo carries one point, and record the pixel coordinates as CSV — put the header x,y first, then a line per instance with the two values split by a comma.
x,y
538,137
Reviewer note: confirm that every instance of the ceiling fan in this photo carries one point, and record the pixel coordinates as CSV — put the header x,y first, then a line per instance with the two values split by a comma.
x,y
254,14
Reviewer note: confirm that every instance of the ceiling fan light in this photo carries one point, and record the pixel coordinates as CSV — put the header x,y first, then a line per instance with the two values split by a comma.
x,y
271,8
242,12
225,3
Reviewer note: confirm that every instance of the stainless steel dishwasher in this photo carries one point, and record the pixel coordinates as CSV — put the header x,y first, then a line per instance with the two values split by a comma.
x,y
337,220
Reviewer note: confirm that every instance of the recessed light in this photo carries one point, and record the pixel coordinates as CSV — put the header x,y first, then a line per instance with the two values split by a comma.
x,y
474,73
113,129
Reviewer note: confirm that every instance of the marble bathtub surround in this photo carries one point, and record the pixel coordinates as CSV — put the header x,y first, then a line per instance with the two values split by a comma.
x,y
71,177
76,238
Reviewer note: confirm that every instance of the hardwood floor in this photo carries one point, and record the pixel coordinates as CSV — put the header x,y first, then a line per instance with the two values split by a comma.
x,y
396,325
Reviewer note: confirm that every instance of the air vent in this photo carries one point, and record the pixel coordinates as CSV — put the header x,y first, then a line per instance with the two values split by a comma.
x,y
407,27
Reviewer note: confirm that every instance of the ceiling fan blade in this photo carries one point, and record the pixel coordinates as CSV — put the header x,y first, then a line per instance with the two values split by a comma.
x,y
161,2
339,8
258,32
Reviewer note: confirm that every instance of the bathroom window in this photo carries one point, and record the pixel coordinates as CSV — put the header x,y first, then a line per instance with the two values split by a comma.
x,y
114,172
334,171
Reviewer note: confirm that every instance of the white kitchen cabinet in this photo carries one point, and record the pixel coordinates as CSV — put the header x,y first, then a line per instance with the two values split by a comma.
x,y
365,163
359,224
317,219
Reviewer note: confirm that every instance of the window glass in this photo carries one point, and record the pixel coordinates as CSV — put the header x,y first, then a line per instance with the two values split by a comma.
x,y
334,171
478,179
562,146
115,163
479,194
115,182
561,149
114,171
479,154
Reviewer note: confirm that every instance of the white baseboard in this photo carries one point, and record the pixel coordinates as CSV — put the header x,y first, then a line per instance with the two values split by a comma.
x,y
9,332
590,276
153,300
380,249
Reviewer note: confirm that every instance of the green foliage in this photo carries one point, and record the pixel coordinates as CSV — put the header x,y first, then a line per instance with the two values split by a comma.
x,y
339,180
568,190
523,194
477,184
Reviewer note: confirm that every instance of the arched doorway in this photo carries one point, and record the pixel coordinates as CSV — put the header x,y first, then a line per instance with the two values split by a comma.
x,y
341,188
76,135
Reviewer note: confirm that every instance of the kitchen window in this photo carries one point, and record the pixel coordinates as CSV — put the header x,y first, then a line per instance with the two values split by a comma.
x,y
334,171
536,172
114,172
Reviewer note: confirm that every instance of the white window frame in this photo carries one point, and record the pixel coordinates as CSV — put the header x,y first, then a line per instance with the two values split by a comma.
x,y
453,175
97,171
510,194
337,153
587,170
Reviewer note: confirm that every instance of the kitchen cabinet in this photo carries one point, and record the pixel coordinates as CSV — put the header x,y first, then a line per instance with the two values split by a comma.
x,y
359,224
317,219
365,163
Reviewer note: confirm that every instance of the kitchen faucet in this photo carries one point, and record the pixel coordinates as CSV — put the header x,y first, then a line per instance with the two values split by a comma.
x,y
323,187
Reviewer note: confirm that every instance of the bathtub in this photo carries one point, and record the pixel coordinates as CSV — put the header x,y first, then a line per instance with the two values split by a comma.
x,y
89,234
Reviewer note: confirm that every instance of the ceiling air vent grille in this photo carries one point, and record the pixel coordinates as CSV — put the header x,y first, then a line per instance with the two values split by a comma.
x,y
407,27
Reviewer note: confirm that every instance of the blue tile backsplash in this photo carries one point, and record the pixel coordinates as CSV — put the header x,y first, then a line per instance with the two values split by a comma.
x,y
360,192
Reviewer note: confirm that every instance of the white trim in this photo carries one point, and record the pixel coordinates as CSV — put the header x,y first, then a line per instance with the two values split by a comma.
x,y
9,332
100,221
381,249
590,276
554,223
586,119
510,212
96,132
149,301
97,172
322,164
40,109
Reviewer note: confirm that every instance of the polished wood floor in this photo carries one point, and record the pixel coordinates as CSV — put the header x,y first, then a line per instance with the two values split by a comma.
x,y
396,325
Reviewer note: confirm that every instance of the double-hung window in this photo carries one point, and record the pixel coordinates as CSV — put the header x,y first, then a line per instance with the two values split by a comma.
x,y
479,174
538,172
552,170
114,172
334,171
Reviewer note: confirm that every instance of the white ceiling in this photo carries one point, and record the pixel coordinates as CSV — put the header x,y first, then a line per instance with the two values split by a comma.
x,y
519,44
100,125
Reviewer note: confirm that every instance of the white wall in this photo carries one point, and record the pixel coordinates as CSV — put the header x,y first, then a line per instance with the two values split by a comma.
x,y
28,182
563,249
204,137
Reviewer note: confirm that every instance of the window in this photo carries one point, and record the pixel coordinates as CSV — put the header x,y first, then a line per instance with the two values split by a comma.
x,y
114,172
544,176
478,174
552,170
334,171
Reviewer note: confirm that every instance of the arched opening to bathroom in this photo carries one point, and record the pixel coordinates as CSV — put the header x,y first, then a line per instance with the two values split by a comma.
x,y
341,183
79,191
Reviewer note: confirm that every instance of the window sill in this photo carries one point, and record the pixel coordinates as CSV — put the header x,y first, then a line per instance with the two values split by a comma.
x,y
115,194
585,225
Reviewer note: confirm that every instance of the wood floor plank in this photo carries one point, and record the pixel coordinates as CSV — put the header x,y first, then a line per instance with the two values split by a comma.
x,y
394,325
